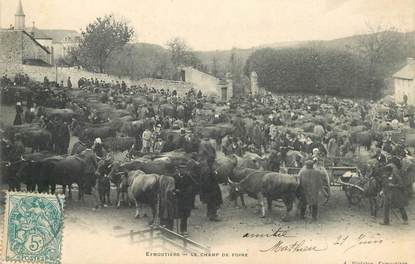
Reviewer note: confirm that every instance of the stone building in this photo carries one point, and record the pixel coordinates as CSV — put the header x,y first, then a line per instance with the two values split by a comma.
x,y
56,43
19,47
404,82
208,84
255,89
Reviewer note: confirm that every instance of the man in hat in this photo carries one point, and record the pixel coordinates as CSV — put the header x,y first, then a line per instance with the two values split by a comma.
x,y
158,145
18,120
400,149
169,145
182,138
30,115
310,185
185,194
69,83
387,145
210,192
98,148
380,157
394,195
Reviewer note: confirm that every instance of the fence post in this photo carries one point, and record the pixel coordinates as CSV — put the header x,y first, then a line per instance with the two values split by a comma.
x,y
131,236
151,236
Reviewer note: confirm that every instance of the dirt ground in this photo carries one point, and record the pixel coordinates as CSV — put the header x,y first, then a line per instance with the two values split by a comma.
x,y
342,234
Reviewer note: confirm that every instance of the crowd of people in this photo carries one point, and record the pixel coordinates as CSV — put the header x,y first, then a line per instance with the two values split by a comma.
x,y
303,131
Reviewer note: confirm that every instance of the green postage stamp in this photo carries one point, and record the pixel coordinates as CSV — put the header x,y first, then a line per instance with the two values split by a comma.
x,y
33,226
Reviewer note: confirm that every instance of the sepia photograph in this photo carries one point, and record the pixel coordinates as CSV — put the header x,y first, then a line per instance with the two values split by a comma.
x,y
207,131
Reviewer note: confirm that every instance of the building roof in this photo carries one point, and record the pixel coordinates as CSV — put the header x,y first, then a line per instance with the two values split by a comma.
x,y
61,35
35,41
19,10
37,33
407,72
56,35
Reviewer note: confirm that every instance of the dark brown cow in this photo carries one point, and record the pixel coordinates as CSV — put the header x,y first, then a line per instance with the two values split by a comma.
x,y
268,185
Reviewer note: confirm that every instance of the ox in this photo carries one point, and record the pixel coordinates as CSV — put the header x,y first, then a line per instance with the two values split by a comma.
x,y
267,185
145,189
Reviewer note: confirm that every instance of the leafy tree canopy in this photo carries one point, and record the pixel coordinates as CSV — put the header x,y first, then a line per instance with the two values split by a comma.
x,y
100,39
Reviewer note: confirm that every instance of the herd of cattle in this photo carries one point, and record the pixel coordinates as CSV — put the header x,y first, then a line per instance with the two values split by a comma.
x,y
119,117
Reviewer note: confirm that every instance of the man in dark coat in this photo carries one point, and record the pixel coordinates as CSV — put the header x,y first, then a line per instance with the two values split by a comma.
x,y
274,162
52,127
182,139
99,149
29,115
169,145
394,194
167,208
185,195
380,157
69,83
210,192
192,143
65,137
310,185
18,119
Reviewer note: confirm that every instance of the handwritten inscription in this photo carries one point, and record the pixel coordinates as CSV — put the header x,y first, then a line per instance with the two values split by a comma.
x,y
284,243
297,246
279,232
361,240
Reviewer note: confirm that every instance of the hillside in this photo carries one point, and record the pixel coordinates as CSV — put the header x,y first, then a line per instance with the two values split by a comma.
x,y
406,40
140,60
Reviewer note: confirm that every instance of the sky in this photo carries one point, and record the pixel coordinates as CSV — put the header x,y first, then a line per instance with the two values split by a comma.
x,y
222,24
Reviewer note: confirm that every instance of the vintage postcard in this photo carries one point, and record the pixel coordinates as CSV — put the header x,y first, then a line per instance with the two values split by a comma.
x,y
219,131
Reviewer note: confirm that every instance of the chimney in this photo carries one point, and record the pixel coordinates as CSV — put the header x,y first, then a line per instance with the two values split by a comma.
x,y
32,32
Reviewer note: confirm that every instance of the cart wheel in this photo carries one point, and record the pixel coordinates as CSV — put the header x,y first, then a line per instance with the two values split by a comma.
x,y
354,196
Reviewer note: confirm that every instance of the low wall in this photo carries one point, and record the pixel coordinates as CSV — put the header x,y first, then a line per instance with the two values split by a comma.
x,y
180,87
59,74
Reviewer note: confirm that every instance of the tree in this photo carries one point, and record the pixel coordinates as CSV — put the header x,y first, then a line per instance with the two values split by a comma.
x,y
236,68
141,60
379,48
182,55
313,70
100,39
379,45
214,66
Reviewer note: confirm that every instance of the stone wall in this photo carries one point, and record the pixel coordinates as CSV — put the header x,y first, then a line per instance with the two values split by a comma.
x,y
17,46
208,84
59,74
62,73
10,69
180,87
9,51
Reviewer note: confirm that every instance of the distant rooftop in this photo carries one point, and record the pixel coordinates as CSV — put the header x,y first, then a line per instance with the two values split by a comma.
x,y
57,35
407,72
